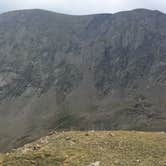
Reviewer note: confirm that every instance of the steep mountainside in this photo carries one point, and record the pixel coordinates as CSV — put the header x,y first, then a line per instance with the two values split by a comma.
x,y
103,71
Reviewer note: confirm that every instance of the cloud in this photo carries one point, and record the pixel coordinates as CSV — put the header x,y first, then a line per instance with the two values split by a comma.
x,y
83,6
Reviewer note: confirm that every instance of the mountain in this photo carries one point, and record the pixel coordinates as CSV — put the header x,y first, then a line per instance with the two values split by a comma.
x,y
102,72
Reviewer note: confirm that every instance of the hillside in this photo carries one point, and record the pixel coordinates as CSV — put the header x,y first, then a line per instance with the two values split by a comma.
x,y
92,149
60,72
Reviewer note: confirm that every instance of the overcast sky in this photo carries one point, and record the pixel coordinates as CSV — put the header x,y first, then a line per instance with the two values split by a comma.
x,y
82,6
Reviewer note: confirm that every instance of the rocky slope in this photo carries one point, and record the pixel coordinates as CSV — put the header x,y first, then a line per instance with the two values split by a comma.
x,y
99,72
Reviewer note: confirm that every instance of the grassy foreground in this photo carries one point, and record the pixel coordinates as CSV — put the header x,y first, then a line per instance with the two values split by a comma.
x,y
116,148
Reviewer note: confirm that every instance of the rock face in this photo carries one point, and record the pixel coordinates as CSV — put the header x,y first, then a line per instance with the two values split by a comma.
x,y
81,72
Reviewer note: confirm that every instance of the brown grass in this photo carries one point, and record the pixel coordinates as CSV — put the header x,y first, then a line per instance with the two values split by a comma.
x,y
116,148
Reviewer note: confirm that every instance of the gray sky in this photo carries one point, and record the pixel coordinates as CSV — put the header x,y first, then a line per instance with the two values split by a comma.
x,y
82,6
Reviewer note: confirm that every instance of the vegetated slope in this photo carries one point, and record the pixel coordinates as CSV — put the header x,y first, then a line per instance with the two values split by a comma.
x,y
80,72
92,149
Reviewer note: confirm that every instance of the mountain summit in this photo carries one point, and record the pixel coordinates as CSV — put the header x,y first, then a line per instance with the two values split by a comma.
x,y
102,72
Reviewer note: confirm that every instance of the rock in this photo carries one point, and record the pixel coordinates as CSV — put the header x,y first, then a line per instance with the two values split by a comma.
x,y
36,147
68,138
43,140
111,134
97,163
25,150
86,134
92,131
33,162
51,133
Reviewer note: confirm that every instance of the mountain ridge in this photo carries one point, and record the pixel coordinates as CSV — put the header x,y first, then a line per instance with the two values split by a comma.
x,y
61,13
81,72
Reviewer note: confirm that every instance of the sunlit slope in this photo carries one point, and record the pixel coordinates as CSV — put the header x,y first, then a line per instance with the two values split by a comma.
x,y
89,148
